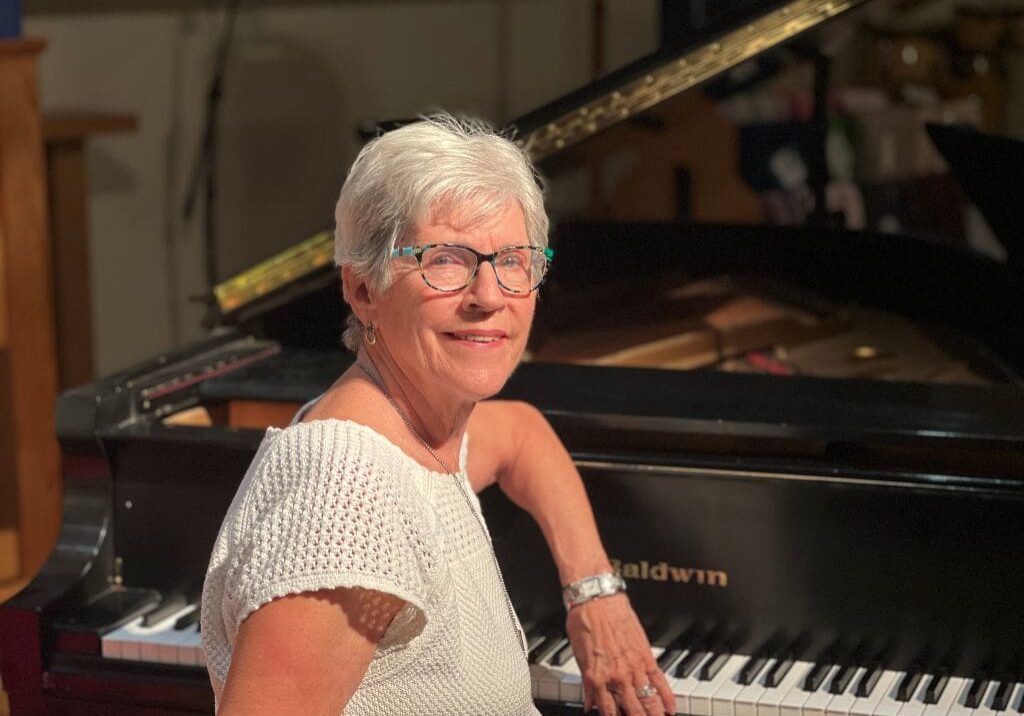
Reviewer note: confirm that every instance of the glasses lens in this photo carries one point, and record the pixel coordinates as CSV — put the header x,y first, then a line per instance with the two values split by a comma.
x,y
520,269
447,268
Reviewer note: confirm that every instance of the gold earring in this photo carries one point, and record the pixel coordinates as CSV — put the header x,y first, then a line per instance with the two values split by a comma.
x,y
369,334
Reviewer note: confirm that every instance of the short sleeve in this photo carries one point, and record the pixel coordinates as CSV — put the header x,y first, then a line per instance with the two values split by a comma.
x,y
327,508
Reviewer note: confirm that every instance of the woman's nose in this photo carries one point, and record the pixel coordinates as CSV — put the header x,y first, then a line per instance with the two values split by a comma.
x,y
484,292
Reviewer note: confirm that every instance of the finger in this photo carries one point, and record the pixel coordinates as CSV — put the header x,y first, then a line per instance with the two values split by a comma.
x,y
630,703
652,705
658,681
604,702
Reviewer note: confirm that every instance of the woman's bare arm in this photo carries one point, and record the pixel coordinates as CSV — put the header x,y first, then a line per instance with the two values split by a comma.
x,y
512,443
519,449
306,653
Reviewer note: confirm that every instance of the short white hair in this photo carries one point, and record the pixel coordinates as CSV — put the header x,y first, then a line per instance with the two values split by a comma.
x,y
401,177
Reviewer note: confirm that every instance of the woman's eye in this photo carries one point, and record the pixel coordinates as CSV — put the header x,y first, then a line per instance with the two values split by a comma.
x,y
444,258
513,259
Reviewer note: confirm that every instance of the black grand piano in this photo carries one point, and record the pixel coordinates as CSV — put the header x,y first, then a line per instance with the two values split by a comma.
x,y
804,447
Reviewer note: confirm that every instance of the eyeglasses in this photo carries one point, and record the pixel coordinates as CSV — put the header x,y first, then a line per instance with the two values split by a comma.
x,y
452,267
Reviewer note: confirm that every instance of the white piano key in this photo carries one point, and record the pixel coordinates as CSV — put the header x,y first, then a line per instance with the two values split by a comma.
x,y
570,685
948,697
915,705
190,649
723,703
818,701
985,704
183,646
547,684
135,642
552,676
841,704
794,699
746,700
959,706
536,671
1016,700
540,673
702,697
110,643
865,706
889,705
682,688
153,637
123,642
771,702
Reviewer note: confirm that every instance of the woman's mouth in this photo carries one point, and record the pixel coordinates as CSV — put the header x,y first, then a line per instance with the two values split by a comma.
x,y
483,338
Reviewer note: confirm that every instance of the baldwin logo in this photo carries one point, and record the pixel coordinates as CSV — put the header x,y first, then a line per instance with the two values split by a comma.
x,y
665,572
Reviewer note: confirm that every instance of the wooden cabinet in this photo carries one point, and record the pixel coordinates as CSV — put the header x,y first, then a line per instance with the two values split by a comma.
x,y
30,489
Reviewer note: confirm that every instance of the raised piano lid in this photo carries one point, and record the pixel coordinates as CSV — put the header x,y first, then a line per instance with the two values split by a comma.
x,y
559,125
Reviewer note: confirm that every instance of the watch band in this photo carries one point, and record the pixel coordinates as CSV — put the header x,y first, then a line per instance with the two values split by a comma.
x,y
593,587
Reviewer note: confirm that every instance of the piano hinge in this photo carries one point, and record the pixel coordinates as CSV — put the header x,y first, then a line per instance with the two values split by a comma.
x,y
117,579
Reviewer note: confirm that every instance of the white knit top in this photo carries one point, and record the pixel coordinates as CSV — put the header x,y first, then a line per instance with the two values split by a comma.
x,y
332,503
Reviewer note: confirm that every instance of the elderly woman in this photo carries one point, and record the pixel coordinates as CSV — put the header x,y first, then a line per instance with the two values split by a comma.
x,y
353,571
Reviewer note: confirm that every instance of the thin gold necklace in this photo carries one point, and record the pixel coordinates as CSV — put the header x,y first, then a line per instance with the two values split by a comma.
x,y
408,423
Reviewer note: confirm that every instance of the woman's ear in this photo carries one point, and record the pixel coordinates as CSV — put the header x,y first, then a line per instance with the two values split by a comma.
x,y
356,291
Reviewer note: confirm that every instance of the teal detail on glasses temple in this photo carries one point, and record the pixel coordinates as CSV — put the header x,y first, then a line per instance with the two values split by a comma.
x,y
549,253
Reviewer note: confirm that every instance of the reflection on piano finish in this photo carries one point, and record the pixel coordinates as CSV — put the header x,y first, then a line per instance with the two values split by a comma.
x,y
819,518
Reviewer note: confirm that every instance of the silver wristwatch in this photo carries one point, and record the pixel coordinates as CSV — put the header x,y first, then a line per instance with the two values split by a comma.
x,y
598,585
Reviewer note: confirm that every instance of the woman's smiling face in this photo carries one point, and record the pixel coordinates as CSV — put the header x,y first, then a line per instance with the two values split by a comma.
x,y
471,340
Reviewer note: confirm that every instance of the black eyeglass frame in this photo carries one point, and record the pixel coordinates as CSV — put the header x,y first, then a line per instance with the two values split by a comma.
x,y
417,252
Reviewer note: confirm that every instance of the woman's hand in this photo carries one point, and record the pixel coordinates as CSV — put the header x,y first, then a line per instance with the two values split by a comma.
x,y
615,659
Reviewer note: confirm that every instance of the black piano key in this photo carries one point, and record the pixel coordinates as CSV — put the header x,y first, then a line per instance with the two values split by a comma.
x,y
822,668
817,675
562,656
1020,702
778,671
698,652
842,679
187,620
976,692
690,662
539,631
533,640
908,684
870,679
785,662
754,666
678,647
758,660
1002,696
553,641
713,665
668,657
937,684
168,605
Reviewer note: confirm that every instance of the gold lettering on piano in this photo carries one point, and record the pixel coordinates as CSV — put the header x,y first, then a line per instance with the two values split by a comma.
x,y
665,572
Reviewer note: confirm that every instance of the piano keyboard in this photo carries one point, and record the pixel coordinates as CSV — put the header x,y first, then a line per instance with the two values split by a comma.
x,y
708,681
172,640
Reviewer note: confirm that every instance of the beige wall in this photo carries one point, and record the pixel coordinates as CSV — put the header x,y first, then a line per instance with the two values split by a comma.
x,y
300,76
